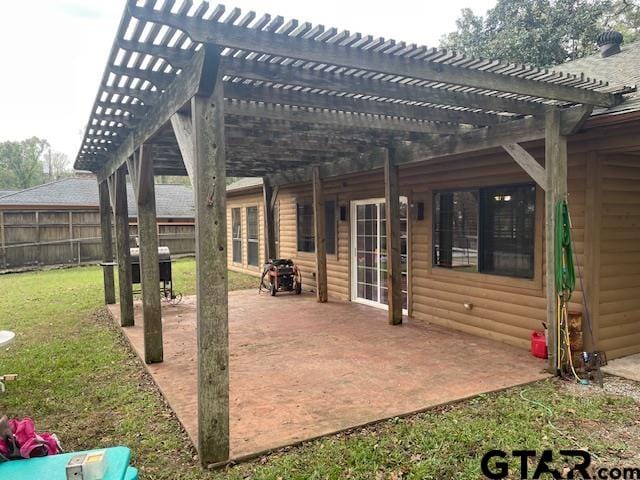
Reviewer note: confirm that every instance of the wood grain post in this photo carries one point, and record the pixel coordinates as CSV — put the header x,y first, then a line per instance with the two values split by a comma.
x,y
107,245
269,221
556,171
211,269
392,204
320,236
592,247
149,267
121,214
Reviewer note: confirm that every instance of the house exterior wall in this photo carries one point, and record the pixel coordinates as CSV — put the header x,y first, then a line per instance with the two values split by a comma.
x,y
504,309
604,203
243,200
619,279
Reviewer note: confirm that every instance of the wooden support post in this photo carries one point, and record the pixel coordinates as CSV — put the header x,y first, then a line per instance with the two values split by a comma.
x,y
269,221
107,246
118,190
556,171
149,267
320,236
592,246
392,207
211,266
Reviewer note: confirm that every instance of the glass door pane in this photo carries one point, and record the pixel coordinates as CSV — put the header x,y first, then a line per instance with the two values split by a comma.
x,y
367,251
371,252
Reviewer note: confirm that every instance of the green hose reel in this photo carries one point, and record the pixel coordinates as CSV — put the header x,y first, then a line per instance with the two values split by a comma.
x,y
565,270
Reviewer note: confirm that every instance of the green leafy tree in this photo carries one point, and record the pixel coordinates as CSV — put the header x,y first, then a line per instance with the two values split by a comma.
x,y
541,32
21,163
625,18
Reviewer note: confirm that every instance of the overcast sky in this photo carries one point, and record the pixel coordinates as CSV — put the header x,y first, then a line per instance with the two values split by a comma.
x,y
53,52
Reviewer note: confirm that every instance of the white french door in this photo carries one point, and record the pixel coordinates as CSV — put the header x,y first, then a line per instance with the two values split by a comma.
x,y
369,252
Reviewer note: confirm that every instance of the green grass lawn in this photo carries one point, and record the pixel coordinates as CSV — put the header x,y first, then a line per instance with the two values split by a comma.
x,y
79,379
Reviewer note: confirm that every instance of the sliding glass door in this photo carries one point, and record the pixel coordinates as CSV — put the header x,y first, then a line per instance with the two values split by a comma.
x,y
369,252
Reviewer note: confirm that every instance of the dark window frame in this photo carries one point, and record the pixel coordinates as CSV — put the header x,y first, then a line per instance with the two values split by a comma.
x,y
484,236
307,245
253,242
236,241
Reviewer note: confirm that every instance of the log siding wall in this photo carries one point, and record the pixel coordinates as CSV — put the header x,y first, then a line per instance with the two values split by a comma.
x,y
504,309
619,296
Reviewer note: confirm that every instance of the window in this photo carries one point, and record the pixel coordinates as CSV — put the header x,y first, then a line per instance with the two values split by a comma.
x,y
330,226
304,218
305,222
236,235
507,237
490,230
455,237
252,236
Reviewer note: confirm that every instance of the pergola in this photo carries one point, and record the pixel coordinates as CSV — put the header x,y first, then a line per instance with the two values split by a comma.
x,y
201,91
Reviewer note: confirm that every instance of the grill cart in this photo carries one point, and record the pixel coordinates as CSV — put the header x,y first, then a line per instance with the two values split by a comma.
x,y
164,261
281,275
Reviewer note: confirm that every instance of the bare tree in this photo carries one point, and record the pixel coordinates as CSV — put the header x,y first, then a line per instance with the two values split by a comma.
x,y
57,165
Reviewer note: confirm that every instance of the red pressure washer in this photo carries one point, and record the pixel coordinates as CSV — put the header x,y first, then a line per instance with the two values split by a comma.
x,y
281,275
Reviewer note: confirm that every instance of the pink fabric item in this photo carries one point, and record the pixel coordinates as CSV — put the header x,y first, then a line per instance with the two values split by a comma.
x,y
30,443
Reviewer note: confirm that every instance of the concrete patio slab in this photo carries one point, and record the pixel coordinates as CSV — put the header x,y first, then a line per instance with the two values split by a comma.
x,y
625,367
300,369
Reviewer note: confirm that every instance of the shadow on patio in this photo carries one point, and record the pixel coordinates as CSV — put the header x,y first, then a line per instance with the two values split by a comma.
x,y
300,369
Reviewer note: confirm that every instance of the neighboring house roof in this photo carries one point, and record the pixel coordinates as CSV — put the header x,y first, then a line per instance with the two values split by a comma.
x,y
172,201
4,193
623,68
244,183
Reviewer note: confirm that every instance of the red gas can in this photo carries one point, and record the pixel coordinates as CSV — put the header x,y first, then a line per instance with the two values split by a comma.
x,y
538,344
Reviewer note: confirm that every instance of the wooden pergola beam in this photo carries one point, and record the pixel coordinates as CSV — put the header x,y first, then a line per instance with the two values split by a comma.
x,y
337,119
300,48
528,163
177,94
516,131
182,129
352,104
305,77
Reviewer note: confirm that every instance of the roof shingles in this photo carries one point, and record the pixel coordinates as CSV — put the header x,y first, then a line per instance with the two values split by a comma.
x,y
172,201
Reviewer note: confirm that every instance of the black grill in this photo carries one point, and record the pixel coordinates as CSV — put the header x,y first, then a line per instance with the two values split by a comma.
x,y
164,263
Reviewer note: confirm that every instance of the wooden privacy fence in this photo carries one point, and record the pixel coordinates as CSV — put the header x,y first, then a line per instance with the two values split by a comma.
x,y
38,238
